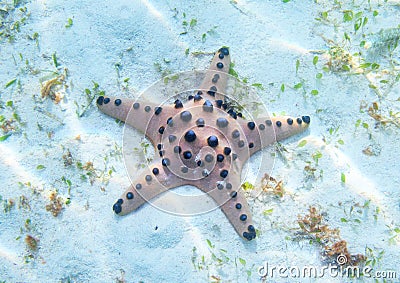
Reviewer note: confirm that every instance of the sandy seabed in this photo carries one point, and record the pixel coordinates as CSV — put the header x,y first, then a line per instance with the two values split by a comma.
x,y
59,154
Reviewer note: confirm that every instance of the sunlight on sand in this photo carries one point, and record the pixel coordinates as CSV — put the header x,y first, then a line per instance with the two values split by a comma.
x,y
8,255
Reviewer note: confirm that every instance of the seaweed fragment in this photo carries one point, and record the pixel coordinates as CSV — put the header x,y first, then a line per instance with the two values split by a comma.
x,y
49,89
334,248
386,40
272,186
56,204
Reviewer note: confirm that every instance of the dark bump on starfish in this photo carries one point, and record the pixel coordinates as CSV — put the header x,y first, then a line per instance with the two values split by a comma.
x,y
222,122
177,149
117,208
178,104
186,116
278,123
261,127
170,122
227,150
251,228
251,125
147,108
234,156
299,121
219,103
120,201
165,162
100,100
215,78
220,65
129,195
212,141
232,113
199,163
209,158
157,110
235,134
238,206
228,186
207,106
220,186
233,194
306,119
136,105
106,100
138,186
224,173
159,146
225,106
289,121
117,102
221,56
184,169
161,153
224,50
241,143
190,136
249,236
268,122
161,130
212,91
243,217
187,154
251,145
240,115
198,97
200,122
171,138
148,178
190,97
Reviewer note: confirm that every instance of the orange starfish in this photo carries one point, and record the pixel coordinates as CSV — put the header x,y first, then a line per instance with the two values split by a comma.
x,y
200,142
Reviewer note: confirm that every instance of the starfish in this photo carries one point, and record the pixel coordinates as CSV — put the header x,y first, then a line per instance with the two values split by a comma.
x,y
201,142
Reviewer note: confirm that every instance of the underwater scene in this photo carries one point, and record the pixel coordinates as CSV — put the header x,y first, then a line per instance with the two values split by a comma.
x,y
199,141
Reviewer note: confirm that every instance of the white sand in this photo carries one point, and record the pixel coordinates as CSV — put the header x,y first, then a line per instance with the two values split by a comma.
x,y
87,243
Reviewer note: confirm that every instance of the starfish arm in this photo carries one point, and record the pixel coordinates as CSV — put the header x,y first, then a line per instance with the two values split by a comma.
x,y
232,201
264,131
216,76
143,115
153,181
